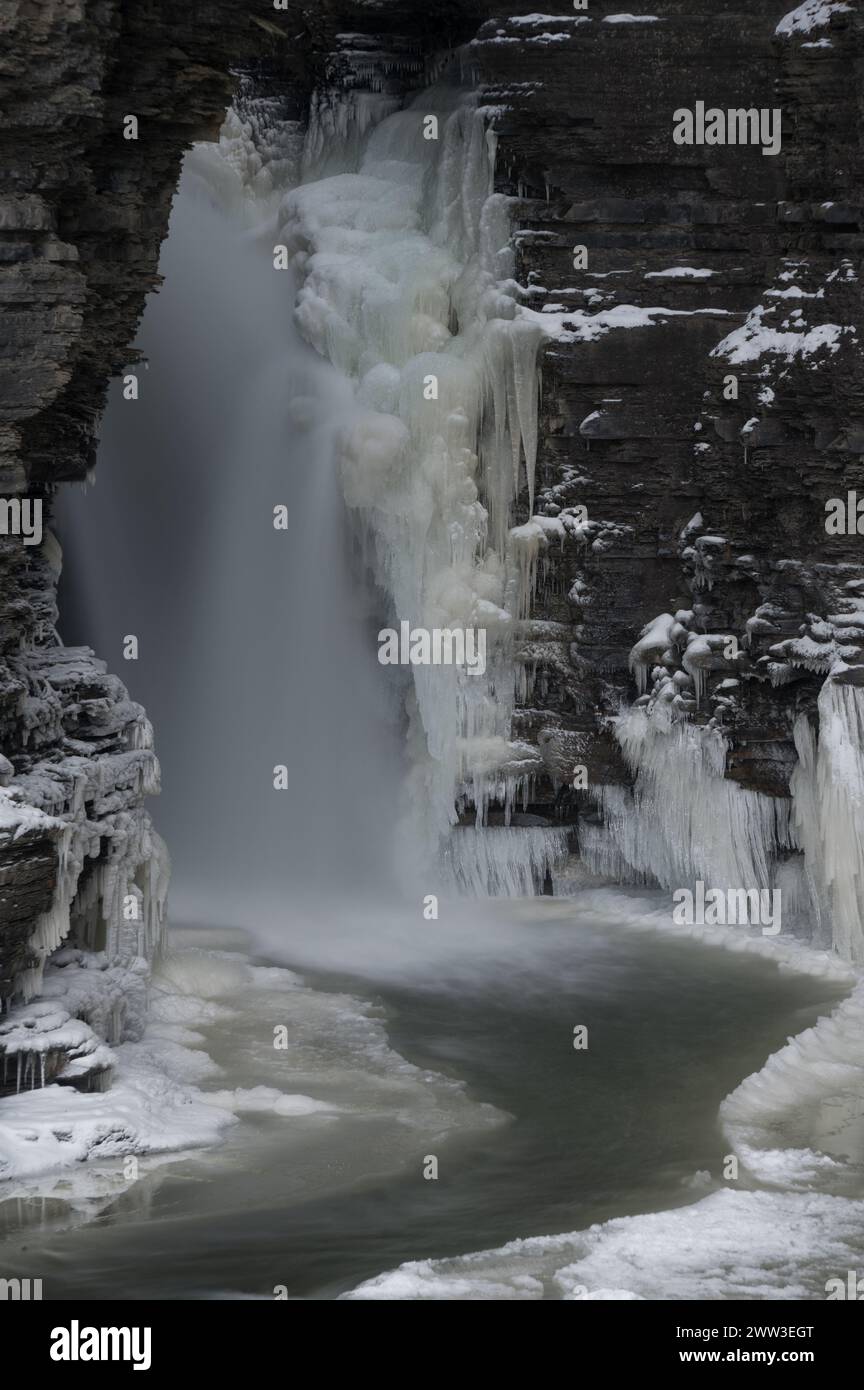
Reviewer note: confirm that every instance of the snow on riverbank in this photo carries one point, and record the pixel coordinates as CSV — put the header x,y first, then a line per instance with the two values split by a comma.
x,y
731,1245
170,1095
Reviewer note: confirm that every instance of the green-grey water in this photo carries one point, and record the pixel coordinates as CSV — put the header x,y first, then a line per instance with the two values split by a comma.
x,y
315,1206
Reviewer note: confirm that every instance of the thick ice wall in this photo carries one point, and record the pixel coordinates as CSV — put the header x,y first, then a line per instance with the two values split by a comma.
x,y
828,812
404,270
685,819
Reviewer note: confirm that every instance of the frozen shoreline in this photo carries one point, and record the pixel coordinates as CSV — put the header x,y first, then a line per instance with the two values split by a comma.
x,y
166,1099
735,1242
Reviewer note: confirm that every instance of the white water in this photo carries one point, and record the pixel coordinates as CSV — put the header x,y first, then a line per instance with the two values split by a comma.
x,y
255,643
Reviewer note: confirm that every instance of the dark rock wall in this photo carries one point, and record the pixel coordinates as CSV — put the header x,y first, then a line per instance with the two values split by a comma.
x,y
586,133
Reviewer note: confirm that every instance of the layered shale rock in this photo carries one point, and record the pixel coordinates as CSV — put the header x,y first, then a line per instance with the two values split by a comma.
x,y
711,493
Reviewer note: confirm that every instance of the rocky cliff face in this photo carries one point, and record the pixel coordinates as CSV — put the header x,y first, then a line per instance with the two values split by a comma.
x,y
701,395
707,493
84,210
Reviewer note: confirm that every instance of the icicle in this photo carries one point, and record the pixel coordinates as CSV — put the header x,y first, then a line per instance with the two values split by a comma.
x,y
685,820
505,862
405,266
828,796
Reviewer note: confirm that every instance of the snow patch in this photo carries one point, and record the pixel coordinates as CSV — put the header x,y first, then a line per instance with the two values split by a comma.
x,y
731,1245
755,337
811,15
680,272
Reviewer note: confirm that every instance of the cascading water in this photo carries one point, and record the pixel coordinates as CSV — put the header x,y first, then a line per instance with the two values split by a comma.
x,y
402,277
254,652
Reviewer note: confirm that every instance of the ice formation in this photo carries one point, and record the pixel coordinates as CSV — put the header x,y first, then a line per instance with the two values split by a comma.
x,y
405,268
504,861
730,1245
828,801
110,890
795,1122
685,819
129,860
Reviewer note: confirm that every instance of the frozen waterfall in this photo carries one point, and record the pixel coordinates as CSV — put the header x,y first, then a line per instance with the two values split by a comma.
x,y
257,643
384,391
405,268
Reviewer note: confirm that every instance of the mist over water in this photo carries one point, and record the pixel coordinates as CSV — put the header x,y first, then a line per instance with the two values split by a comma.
x,y
257,645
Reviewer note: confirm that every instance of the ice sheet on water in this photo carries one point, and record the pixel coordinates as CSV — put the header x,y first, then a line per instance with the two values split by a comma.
x,y
730,1245
810,1094
171,1096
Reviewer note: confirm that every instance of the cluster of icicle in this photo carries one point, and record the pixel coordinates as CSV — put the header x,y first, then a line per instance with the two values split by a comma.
x,y
28,1067
404,265
685,819
133,863
828,812
137,867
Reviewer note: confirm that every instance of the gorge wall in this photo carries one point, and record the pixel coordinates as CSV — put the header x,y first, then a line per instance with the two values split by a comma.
x,y
705,498
84,213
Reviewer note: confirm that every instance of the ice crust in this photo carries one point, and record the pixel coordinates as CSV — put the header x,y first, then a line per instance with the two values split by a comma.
x,y
730,1245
